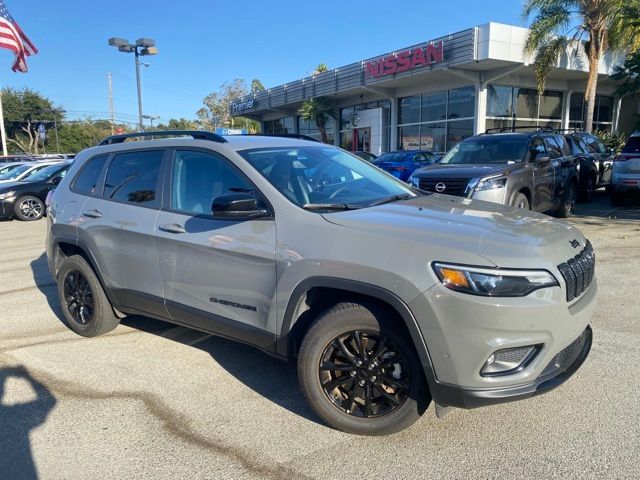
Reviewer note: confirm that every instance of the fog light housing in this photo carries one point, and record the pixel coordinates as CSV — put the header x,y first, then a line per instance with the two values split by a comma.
x,y
508,361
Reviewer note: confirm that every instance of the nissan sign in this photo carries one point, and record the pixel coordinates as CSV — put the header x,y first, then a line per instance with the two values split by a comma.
x,y
406,60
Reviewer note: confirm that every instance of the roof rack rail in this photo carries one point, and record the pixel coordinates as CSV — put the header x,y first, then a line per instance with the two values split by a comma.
x,y
299,136
574,130
195,134
513,129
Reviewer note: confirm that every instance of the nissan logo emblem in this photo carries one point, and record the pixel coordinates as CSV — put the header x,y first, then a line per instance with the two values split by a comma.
x,y
440,187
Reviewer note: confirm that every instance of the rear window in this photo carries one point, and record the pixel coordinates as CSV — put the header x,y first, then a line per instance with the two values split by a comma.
x,y
87,179
632,146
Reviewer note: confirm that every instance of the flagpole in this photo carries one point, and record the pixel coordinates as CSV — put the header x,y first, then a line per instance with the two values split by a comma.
x,y
2,131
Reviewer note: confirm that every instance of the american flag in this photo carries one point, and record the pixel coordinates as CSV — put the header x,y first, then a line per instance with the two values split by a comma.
x,y
13,38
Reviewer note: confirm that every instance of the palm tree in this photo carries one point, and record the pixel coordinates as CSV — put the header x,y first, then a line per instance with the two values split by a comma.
x,y
558,23
319,110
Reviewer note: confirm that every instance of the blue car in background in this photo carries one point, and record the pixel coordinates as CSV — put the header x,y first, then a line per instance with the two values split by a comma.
x,y
402,163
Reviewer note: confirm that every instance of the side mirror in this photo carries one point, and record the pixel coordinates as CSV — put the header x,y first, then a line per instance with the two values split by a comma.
x,y
56,180
237,205
542,159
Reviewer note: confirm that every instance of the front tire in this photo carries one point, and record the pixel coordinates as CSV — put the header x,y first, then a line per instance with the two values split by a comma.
x,y
28,208
85,306
521,201
359,373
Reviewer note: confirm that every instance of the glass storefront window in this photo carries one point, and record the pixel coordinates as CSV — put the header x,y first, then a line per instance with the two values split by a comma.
x,y
499,101
526,102
289,125
457,131
550,105
434,107
409,137
433,137
602,112
462,103
409,111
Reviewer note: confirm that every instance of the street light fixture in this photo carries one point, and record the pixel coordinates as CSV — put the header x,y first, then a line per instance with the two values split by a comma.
x,y
142,47
151,118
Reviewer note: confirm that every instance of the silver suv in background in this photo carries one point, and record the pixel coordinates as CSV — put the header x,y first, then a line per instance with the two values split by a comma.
x,y
387,297
625,173
532,170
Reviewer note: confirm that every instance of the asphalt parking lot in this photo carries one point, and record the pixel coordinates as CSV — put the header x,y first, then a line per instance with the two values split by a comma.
x,y
151,400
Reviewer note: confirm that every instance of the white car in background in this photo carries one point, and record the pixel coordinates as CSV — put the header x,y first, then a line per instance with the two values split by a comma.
x,y
23,171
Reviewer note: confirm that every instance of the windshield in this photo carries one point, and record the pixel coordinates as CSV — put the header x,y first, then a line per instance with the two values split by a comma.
x,y
13,173
487,151
322,175
44,173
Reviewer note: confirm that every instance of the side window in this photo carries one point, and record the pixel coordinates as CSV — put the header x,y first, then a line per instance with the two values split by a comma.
x,y
564,145
601,148
537,147
582,146
199,177
595,146
552,147
86,181
133,177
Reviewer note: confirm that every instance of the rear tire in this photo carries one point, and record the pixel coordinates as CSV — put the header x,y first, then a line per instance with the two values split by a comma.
x,y
521,201
568,201
85,306
28,208
377,396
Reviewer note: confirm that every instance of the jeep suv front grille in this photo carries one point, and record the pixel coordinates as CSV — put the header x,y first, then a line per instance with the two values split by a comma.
x,y
578,272
452,186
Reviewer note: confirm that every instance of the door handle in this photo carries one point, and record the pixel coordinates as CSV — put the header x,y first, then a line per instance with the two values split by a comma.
x,y
172,228
92,214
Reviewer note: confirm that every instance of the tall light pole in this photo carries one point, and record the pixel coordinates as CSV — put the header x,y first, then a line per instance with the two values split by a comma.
x,y
142,47
151,118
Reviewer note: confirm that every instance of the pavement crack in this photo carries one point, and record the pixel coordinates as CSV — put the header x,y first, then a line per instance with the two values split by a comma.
x,y
172,421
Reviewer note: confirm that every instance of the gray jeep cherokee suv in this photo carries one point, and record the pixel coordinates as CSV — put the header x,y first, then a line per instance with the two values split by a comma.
x,y
388,297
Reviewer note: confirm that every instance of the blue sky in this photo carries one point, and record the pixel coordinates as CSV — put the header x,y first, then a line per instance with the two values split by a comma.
x,y
204,43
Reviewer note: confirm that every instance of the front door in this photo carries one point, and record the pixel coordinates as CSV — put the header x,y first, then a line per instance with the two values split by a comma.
x,y
219,275
543,177
361,141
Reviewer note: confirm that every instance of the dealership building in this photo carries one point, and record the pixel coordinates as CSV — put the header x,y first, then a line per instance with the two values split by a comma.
x,y
434,94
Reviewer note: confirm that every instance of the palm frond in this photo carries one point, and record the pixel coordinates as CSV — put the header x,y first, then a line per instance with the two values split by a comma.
x,y
546,58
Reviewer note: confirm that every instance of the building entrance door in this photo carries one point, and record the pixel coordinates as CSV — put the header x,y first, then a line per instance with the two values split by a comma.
x,y
361,140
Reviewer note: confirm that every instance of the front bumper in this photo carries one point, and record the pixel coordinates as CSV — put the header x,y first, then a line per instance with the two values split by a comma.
x,y
461,331
6,208
561,368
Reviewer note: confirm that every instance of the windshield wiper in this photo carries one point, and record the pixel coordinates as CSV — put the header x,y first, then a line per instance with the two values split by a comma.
x,y
329,206
392,198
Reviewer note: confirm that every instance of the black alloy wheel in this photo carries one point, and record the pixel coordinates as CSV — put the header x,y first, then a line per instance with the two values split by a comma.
x,y
364,374
78,297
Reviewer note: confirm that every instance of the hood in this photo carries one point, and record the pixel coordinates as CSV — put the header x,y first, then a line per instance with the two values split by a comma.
x,y
466,171
450,228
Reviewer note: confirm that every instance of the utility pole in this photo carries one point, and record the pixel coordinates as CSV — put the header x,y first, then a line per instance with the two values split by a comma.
x,y
111,103
3,134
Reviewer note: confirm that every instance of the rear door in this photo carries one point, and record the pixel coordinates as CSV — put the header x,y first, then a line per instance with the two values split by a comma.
x,y
603,158
543,176
219,275
117,224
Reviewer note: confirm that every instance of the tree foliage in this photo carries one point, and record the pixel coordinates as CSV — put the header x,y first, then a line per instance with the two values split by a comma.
x,y
629,73
600,25
321,68
179,124
215,112
319,110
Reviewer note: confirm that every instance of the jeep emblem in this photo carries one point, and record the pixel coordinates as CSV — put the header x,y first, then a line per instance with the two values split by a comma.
x,y
440,187
574,243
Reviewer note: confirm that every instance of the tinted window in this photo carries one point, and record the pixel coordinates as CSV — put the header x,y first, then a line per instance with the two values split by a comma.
x,y
578,146
87,179
632,146
199,177
552,147
45,172
133,177
537,147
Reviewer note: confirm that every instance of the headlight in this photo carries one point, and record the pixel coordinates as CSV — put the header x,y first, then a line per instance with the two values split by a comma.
x,y
493,282
7,195
491,183
414,181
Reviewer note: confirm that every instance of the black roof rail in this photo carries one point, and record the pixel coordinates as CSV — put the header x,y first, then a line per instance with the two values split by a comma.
x,y
570,130
513,129
195,134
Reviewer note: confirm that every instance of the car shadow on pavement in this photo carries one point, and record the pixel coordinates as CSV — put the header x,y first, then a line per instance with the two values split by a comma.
x,y
601,209
46,284
17,420
274,379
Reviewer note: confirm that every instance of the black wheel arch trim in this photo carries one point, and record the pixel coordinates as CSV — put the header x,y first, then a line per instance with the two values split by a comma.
x,y
283,344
